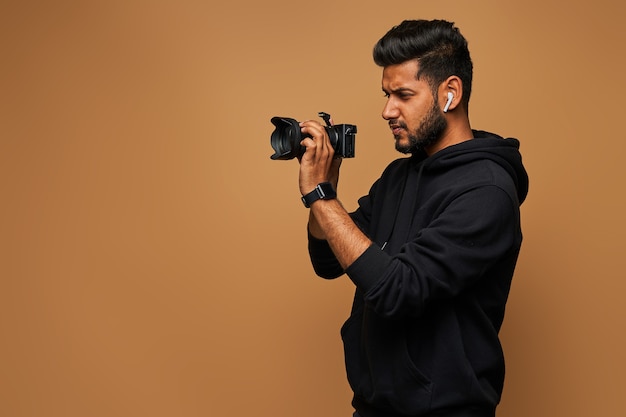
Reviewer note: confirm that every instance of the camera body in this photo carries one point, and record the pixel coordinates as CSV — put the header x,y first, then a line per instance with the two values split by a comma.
x,y
286,138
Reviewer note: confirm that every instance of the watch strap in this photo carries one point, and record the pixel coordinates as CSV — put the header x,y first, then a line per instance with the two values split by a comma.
x,y
322,191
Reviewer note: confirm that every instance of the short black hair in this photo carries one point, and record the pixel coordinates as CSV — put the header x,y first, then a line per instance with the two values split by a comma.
x,y
437,45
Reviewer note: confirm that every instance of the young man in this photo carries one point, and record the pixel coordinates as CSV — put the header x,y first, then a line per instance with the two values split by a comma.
x,y
433,246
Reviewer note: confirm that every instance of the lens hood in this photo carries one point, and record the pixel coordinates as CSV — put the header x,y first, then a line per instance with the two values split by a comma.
x,y
286,138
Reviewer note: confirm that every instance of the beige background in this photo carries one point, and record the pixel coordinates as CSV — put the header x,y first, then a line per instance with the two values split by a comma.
x,y
153,258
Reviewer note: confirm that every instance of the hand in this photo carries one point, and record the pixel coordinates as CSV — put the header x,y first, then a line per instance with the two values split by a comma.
x,y
318,164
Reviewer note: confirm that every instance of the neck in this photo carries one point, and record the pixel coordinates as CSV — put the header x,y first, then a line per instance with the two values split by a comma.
x,y
457,131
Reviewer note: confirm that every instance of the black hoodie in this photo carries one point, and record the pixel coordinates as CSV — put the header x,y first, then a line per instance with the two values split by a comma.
x,y
422,337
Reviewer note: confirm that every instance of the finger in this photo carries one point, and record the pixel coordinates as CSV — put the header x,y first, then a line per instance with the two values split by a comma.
x,y
314,129
318,143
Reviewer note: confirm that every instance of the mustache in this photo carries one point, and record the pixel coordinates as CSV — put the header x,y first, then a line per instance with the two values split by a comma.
x,y
397,123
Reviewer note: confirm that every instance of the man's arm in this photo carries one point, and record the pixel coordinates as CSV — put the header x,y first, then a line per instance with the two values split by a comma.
x,y
328,219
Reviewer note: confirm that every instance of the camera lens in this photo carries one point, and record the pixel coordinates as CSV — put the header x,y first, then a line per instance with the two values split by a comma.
x,y
286,138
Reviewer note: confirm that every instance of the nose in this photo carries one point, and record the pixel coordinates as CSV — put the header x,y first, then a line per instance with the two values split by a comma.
x,y
390,111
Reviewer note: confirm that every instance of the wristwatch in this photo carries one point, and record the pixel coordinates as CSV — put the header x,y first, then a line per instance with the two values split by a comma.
x,y
323,191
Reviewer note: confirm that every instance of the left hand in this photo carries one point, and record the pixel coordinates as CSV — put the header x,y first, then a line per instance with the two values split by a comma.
x,y
318,164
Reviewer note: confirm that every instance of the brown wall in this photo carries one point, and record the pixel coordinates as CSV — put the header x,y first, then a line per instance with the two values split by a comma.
x,y
153,258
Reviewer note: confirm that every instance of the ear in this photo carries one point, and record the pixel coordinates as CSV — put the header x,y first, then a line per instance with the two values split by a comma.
x,y
451,87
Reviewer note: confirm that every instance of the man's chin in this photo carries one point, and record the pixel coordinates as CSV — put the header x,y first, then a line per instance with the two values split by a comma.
x,y
403,146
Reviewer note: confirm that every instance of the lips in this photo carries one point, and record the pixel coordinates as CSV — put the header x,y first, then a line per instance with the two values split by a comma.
x,y
396,127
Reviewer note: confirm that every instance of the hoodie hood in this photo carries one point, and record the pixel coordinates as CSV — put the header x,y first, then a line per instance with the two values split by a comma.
x,y
484,145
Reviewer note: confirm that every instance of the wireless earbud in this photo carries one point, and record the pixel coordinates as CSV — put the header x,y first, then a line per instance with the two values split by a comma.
x,y
447,106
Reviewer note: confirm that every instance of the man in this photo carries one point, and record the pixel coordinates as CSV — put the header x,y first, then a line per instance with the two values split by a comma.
x,y
433,246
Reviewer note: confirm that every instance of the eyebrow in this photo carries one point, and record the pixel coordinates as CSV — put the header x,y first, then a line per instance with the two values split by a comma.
x,y
398,90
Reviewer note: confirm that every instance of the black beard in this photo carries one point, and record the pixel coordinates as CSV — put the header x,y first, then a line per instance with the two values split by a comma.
x,y
427,134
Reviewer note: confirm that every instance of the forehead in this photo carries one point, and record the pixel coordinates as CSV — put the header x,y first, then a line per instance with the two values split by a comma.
x,y
402,75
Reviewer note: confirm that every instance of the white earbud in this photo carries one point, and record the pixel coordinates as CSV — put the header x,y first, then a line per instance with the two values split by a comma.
x,y
447,106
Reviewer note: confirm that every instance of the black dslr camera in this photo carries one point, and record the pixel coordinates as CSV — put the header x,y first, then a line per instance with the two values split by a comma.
x,y
287,136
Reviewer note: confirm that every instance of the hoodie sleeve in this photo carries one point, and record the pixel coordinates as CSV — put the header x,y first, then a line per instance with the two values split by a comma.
x,y
323,259
475,231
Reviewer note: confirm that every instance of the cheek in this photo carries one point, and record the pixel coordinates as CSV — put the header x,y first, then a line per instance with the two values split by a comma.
x,y
413,117
415,114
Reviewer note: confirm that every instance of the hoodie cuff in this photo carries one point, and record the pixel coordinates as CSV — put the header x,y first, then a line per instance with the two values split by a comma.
x,y
323,259
368,268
